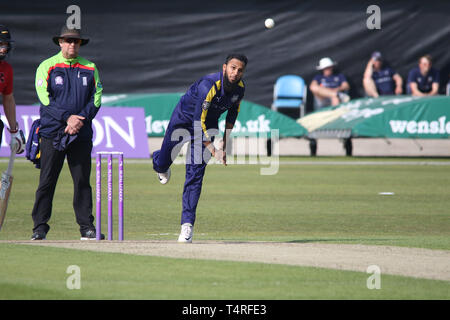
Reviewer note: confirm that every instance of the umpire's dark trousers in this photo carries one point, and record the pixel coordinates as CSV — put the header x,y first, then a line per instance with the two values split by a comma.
x,y
79,159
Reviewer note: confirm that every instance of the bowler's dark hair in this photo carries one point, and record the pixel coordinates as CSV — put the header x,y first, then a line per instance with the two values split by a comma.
x,y
238,56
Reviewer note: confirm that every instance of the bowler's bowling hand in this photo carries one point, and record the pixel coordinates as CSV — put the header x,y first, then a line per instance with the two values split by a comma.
x,y
222,146
220,156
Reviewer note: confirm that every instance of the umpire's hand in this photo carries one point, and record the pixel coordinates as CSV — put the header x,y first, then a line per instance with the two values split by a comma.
x,y
74,124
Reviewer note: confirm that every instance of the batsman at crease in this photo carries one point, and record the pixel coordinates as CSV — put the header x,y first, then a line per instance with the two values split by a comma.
x,y
17,139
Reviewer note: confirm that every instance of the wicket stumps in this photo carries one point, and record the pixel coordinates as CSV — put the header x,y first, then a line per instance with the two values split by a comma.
x,y
109,193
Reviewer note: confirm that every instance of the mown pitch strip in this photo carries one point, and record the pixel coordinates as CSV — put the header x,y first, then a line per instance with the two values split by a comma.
x,y
410,262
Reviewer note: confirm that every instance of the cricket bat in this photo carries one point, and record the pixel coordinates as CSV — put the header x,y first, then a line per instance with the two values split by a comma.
x,y
5,188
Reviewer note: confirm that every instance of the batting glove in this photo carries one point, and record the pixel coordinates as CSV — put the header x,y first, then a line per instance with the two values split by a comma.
x,y
17,143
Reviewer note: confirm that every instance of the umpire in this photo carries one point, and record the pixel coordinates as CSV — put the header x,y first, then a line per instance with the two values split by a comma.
x,y
69,90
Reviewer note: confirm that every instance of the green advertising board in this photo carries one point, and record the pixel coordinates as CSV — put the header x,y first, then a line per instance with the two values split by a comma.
x,y
253,119
389,116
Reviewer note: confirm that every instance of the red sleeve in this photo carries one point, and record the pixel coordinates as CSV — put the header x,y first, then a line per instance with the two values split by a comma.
x,y
8,89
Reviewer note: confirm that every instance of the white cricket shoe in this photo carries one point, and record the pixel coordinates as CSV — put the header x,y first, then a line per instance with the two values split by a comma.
x,y
187,231
164,177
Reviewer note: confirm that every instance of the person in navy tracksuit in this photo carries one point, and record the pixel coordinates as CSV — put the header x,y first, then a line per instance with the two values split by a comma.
x,y
423,80
195,120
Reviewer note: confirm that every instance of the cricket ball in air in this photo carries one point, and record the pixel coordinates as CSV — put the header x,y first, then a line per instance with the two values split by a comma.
x,y
269,23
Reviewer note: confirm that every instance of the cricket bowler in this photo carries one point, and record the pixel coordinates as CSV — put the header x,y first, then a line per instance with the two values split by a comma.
x,y
195,120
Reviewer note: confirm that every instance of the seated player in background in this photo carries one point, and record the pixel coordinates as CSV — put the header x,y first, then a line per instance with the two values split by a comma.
x,y
328,87
380,79
423,80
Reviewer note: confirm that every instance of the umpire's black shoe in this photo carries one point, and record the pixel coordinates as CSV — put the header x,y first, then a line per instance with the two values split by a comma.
x,y
38,236
91,235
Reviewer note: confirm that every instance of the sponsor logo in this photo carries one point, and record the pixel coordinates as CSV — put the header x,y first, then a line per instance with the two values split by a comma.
x,y
221,108
59,80
111,98
383,79
84,81
113,128
362,113
40,82
398,101
234,98
439,126
205,105
259,125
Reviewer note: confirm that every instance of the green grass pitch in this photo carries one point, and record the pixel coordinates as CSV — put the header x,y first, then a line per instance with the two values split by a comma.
x,y
301,203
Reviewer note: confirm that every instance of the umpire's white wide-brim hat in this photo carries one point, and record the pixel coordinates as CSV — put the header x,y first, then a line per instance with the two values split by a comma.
x,y
325,63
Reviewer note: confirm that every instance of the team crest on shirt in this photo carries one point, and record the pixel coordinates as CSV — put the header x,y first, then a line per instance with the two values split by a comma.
x,y
234,98
205,105
59,80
